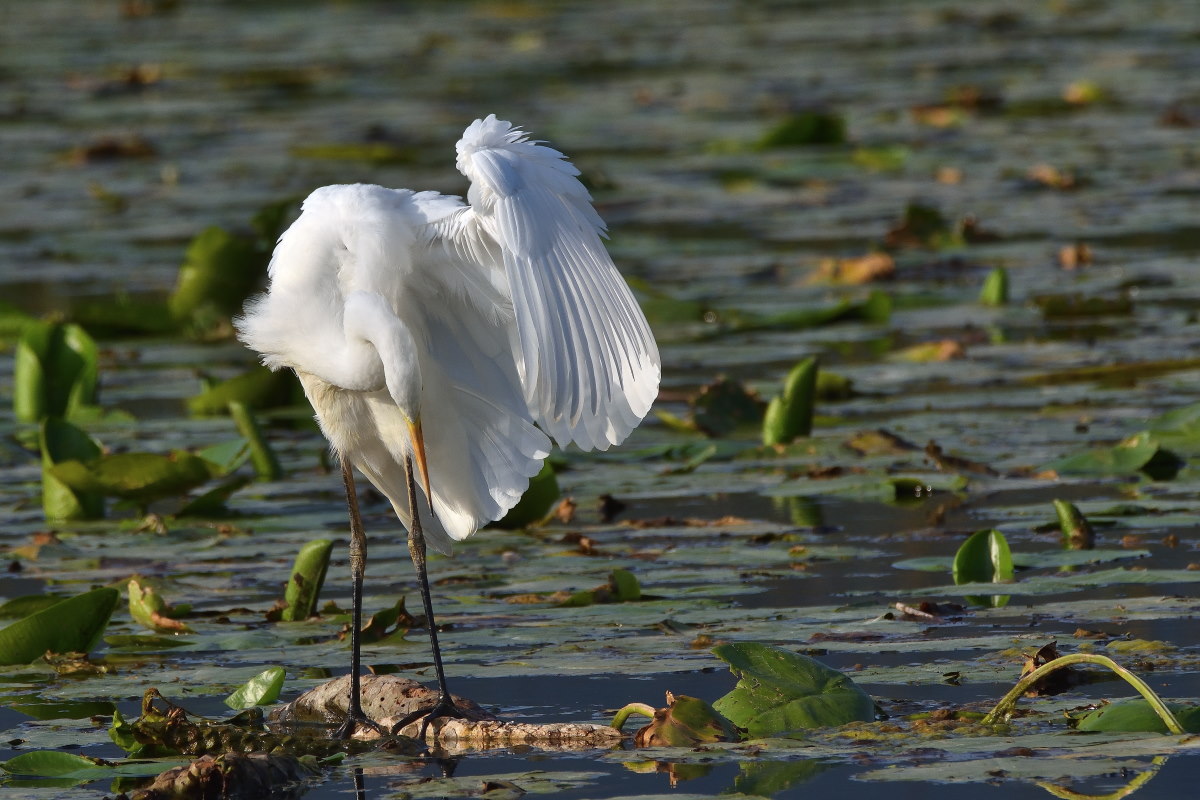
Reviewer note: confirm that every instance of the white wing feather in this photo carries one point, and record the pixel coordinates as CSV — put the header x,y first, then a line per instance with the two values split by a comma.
x,y
589,364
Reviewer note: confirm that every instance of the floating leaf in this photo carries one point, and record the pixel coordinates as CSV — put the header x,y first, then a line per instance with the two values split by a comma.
x,y
60,441
307,578
722,406
854,271
805,128
226,456
622,587
51,764
213,502
141,641
1136,714
140,477
922,226
995,288
1069,306
926,352
261,690
381,623
789,415
54,371
71,626
1139,452
148,608
535,504
780,692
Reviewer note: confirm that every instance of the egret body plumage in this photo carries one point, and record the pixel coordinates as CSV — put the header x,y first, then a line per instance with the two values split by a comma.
x,y
459,337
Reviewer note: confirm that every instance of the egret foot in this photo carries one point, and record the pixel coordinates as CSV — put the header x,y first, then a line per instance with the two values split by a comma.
x,y
444,707
355,718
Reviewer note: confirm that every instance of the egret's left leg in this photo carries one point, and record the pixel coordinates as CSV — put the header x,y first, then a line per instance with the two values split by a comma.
x,y
444,707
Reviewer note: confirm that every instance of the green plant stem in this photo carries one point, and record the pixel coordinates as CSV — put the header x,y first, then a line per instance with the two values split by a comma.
x,y
1006,704
632,708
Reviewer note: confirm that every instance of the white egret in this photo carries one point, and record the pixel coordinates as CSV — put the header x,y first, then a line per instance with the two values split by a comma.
x,y
459,336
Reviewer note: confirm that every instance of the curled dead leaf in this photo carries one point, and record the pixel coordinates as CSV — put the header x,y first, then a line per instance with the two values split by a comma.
x,y
854,271
684,722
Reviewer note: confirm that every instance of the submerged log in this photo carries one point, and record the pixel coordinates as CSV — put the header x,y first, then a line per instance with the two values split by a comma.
x,y
388,699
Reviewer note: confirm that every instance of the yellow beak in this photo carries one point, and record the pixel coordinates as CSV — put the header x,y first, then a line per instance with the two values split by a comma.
x,y
418,444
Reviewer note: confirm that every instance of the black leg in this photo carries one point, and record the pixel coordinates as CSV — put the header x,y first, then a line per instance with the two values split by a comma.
x,y
444,707
358,567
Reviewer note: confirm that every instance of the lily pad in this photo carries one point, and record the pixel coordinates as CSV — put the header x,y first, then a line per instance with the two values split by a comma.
x,y
307,577
62,442
54,372
140,477
780,692
790,414
261,690
1136,714
71,626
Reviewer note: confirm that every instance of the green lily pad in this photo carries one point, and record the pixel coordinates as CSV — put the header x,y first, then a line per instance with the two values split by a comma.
x,y
780,692
790,414
983,558
62,442
995,288
71,626
805,128
1125,458
307,578
140,477
261,690
1136,714
78,769
54,372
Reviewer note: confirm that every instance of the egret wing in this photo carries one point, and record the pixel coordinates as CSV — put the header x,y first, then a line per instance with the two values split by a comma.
x,y
588,362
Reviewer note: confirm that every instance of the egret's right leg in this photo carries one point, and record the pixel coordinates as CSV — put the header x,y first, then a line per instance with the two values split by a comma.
x,y
358,568
444,707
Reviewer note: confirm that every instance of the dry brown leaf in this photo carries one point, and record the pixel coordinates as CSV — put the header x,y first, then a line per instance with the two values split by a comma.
x,y
855,271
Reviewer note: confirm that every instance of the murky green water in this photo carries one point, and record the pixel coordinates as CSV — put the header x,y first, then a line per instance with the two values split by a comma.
x,y
122,135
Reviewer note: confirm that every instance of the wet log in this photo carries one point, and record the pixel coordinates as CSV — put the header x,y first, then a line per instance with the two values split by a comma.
x,y
388,699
